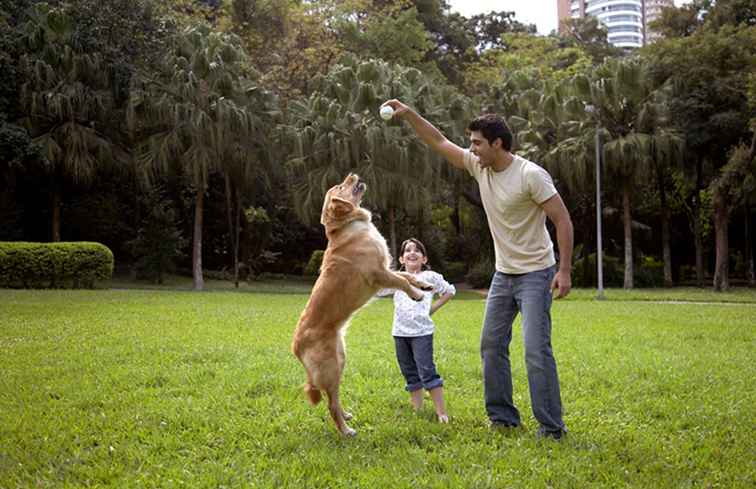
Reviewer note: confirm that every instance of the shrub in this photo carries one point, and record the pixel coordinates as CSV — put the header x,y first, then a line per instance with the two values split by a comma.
x,y
612,268
454,271
650,273
159,240
479,276
313,266
40,265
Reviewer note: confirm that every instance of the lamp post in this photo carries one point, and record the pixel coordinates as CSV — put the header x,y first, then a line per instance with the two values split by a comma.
x,y
599,248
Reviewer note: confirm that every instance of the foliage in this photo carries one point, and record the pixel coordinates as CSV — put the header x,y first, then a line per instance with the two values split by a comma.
x,y
709,86
540,59
479,275
337,130
389,33
39,265
683,21
159,241
589,35
256,240
65,95
455,271
313,266
490,28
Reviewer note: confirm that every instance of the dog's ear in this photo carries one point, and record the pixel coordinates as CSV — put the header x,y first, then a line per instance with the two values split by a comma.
x,y
335,209
340,207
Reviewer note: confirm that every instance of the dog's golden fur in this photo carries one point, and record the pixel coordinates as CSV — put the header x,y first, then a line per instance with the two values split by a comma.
x,y
355,266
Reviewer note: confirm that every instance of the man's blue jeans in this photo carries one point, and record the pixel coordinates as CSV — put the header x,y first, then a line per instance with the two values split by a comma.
x,y
529,294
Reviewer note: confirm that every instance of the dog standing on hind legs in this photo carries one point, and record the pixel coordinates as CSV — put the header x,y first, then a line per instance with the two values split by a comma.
x,y
355,266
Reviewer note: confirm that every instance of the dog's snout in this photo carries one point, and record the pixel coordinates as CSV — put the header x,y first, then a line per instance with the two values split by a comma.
x,y
359,188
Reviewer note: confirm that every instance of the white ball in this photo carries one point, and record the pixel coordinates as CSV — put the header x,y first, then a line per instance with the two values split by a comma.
x,y
387,112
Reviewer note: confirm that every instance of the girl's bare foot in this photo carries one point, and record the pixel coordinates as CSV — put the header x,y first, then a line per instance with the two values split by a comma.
x,y
416,398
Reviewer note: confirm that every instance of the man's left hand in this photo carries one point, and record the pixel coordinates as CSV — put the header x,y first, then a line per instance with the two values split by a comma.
x,y
562,283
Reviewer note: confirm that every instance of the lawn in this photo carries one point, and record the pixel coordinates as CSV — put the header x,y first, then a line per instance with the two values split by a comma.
x,y
146,388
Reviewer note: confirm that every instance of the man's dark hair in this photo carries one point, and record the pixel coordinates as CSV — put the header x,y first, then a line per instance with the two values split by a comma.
x,y
491,126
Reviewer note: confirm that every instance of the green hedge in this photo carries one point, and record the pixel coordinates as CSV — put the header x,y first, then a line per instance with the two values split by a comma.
x,y
54,265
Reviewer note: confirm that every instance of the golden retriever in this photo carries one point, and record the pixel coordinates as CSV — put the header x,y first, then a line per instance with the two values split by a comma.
x,y
355,266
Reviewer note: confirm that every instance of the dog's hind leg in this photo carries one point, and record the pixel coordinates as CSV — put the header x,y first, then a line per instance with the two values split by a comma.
x,y
312,392
337,413
329,376
341,353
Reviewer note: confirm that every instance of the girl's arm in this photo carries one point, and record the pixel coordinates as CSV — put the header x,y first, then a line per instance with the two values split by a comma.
x,y
440,302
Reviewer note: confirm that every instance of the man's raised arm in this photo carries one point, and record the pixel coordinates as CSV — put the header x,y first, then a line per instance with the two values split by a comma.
x,y
429,134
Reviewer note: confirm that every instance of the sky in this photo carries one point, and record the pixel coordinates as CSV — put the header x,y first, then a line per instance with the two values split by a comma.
x,y
542,13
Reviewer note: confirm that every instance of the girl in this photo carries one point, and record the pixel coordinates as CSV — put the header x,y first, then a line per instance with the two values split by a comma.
x,y
413,328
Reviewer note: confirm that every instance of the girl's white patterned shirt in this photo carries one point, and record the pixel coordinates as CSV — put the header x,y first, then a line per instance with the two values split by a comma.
x,y
413,318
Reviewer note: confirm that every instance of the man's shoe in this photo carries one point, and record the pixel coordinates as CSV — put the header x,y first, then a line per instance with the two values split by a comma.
x,y
543,434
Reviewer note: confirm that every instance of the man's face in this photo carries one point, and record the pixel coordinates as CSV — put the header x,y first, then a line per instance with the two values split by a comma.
x,y
480,147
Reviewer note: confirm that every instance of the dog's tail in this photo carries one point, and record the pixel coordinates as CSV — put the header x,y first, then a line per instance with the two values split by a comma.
x,y
313,393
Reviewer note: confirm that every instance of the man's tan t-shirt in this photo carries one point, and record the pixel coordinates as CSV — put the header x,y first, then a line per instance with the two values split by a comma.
x,y
511,199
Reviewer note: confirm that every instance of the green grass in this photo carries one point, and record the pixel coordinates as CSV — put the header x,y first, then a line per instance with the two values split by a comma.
x,y
140,388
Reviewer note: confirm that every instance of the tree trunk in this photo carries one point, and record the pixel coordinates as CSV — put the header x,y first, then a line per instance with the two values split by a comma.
x,y
237,232
197,279
456,216
628,225
229,214
456,219
665,216
698,239
56,213
749,247
392,236
587,268
421,225
721,218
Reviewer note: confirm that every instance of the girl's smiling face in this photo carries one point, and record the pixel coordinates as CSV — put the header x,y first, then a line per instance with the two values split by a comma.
x,y
413,257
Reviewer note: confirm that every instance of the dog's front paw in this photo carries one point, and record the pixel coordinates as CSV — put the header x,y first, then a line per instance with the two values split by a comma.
x,y
349,432
347,416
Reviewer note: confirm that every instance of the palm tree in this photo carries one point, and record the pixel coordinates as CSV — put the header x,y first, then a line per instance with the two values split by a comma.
x,y
192,116
621,97
555,129
666,152
65,98
336,130
247,160
734,186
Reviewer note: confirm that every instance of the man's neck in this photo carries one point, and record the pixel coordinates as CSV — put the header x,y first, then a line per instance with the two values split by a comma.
x,y
502,161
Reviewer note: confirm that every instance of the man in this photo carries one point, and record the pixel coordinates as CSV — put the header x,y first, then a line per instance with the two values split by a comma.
x,y
517,196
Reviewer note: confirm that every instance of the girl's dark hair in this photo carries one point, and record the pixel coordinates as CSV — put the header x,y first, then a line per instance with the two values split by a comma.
x,y
420,246
491,126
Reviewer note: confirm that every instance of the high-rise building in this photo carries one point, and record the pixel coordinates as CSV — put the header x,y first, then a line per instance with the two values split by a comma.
x,y
653,10
625,20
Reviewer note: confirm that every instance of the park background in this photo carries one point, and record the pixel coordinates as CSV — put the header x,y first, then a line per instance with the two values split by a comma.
x,y
200,136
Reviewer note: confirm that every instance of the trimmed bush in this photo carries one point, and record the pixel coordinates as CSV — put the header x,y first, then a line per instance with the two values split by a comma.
x,y
54,265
